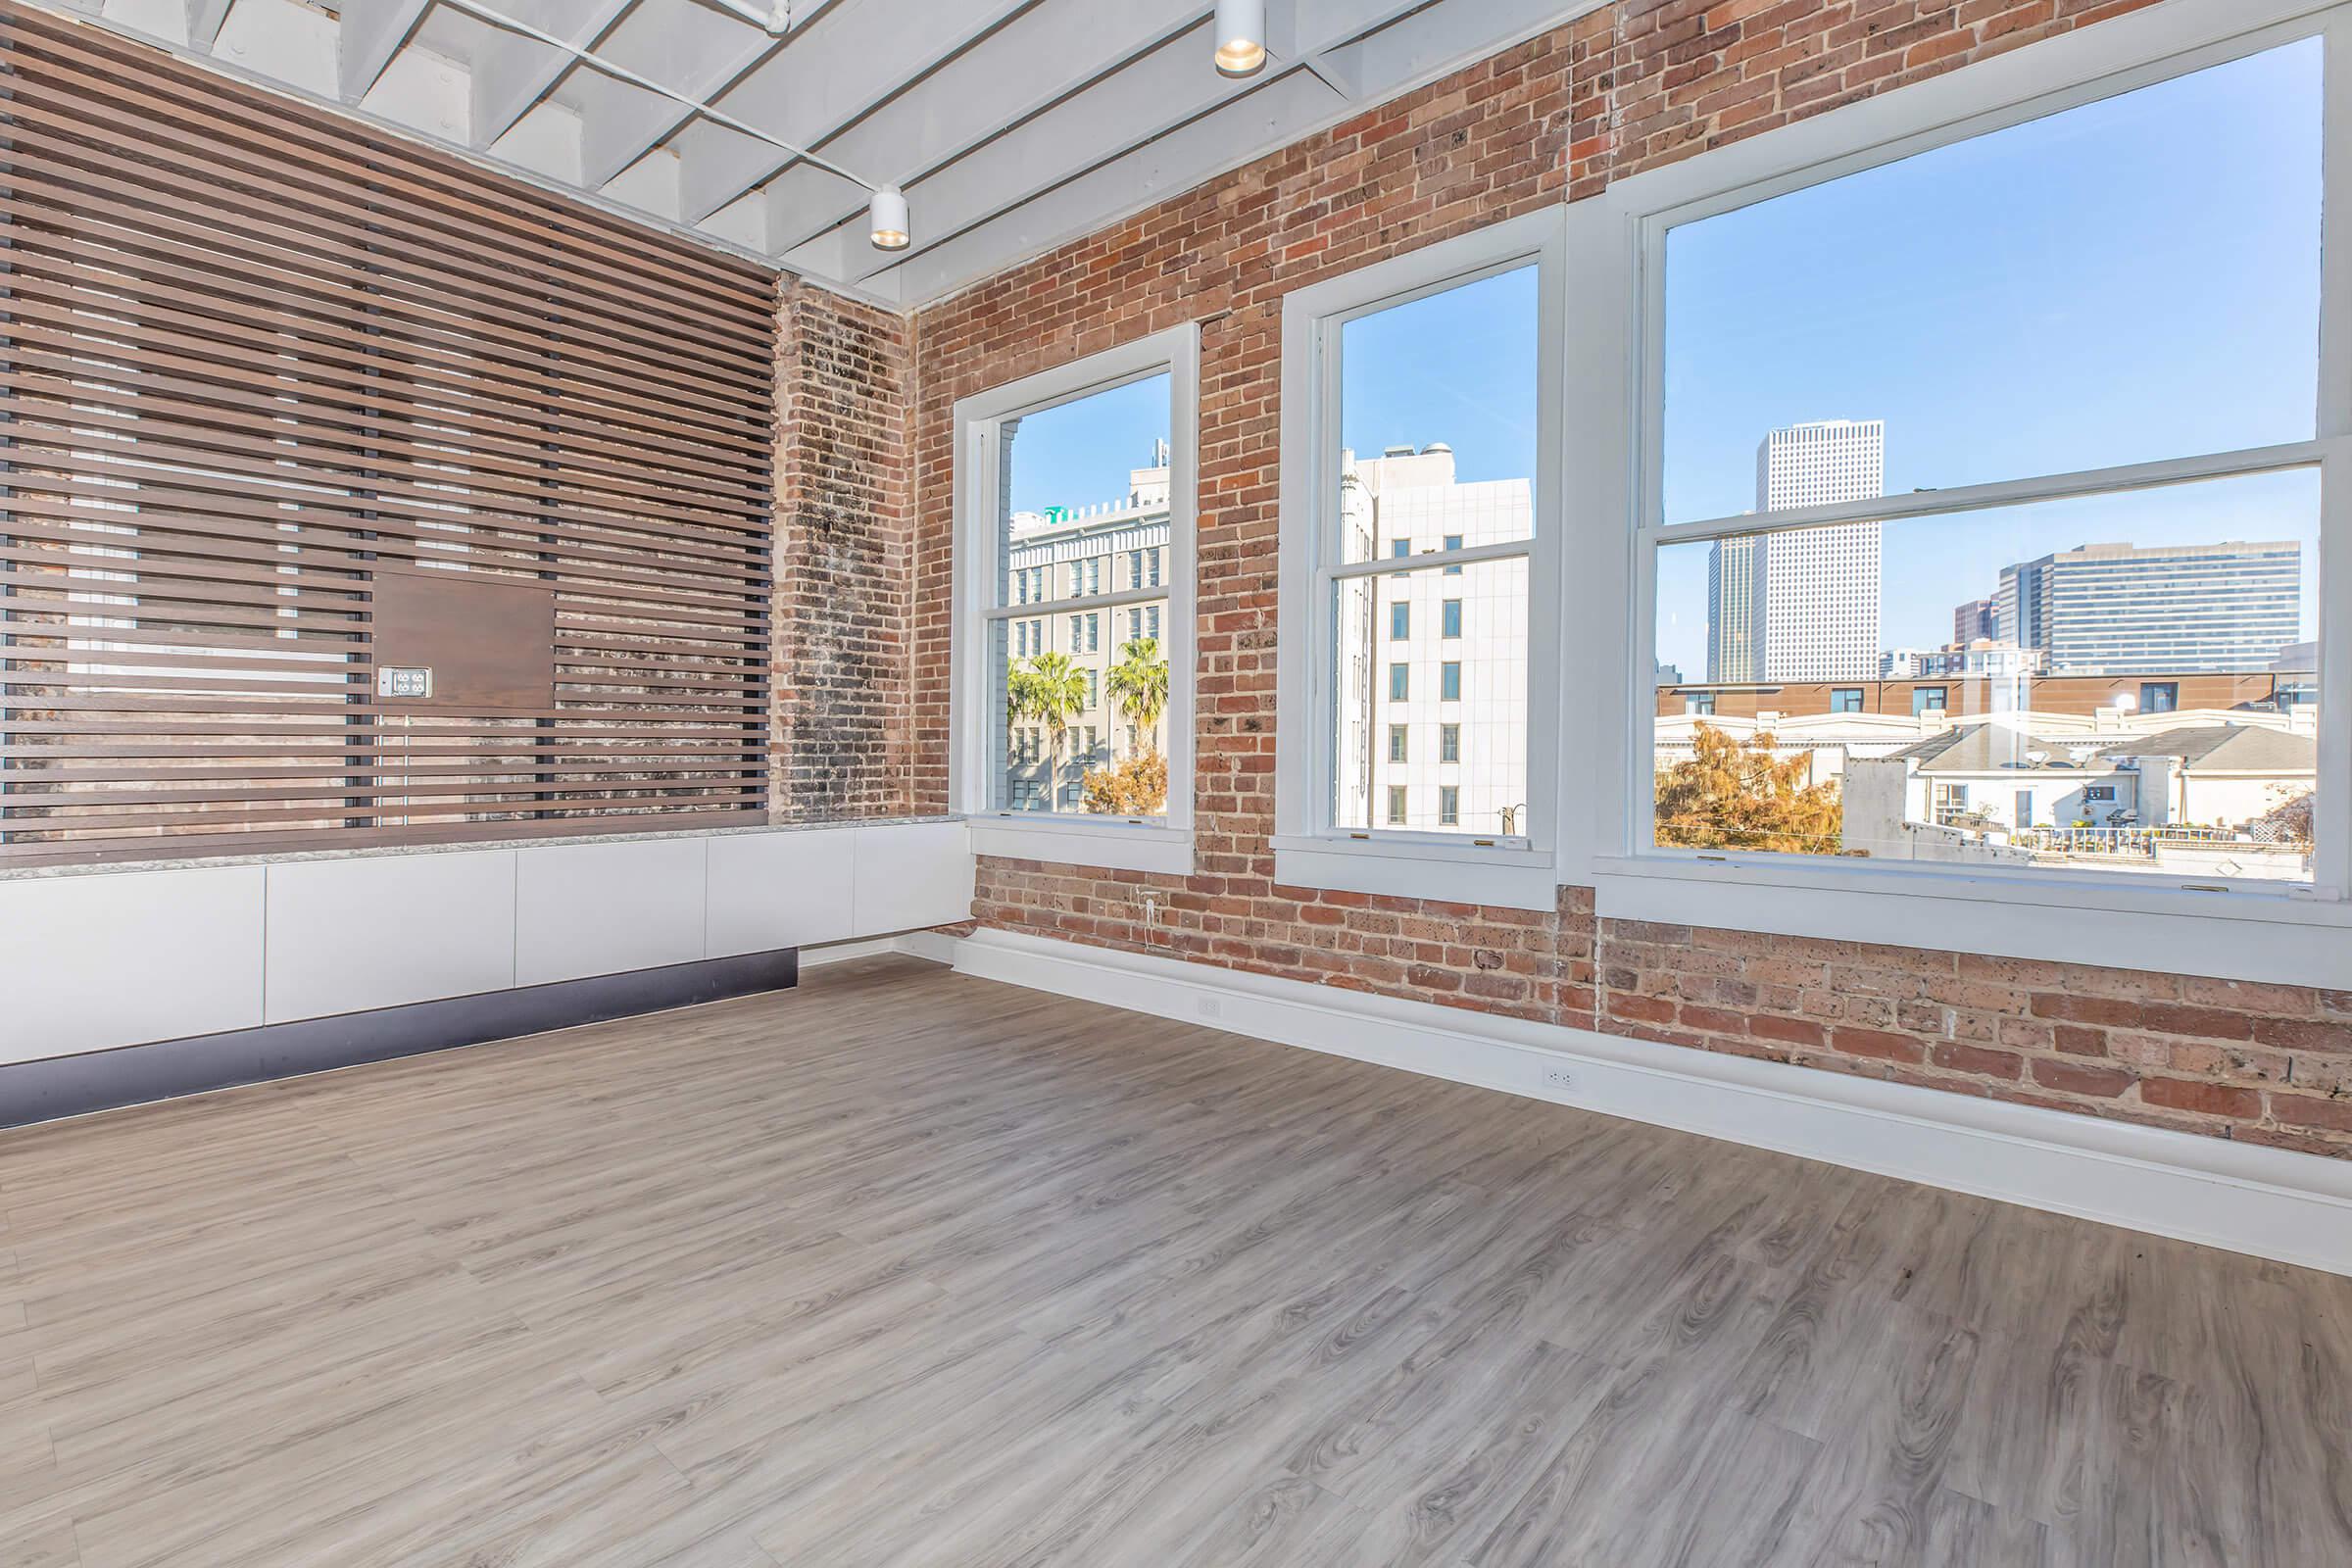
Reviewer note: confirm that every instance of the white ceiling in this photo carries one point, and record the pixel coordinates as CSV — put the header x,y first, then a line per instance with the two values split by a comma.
x,y
1013,125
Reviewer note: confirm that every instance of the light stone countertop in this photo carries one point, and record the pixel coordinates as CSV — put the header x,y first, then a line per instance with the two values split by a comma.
x,y
26,874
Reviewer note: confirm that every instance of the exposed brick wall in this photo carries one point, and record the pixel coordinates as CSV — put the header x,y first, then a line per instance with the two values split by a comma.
x,y
1642,84
841,741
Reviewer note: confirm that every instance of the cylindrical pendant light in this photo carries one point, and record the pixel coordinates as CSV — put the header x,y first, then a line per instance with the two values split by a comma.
x,y
890,228
1240,36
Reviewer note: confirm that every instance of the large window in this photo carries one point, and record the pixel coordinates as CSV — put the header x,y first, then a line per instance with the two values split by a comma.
x,y
1082,478
1980,450
2055,385
1418,478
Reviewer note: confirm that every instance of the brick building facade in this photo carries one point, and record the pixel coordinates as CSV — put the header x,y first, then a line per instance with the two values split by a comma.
x,y
1625,88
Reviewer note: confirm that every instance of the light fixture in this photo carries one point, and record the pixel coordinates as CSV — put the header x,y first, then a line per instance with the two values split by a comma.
x,y
1241,37
889,210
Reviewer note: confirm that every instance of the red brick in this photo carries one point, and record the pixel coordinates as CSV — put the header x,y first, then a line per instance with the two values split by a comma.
x,y
1955,1056
2082,1078
1877,1044
2306,1110
2205,1098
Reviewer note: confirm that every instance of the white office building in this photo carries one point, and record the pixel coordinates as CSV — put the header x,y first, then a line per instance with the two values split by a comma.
x,y
2228,608
1079,552
1803,605
1432,716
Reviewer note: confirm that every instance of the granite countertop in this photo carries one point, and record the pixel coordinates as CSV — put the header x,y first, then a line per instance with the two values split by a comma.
x,y
23,873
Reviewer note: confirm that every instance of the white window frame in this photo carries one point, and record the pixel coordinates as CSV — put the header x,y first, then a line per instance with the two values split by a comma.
x,y
1515,871
1134,844
2259,931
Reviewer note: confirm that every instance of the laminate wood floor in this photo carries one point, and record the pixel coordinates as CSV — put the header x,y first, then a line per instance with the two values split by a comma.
x,y
908,1269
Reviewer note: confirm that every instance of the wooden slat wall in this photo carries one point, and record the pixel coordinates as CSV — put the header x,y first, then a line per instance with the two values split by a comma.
x,y
249,354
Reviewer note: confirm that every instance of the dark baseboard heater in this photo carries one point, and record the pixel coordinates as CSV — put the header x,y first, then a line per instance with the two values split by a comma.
x,y
166,1069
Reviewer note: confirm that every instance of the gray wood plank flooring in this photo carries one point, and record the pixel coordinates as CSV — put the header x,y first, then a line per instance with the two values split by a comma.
x,y
908,1269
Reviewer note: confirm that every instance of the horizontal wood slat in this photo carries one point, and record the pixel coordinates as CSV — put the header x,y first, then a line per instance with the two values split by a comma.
x,y
252,357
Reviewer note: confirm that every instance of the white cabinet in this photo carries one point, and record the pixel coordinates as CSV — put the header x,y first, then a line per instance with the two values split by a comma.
x,y
117,960
600,909
780,890
346,935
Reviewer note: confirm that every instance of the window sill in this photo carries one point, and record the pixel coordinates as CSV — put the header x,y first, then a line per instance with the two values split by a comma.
x,y
1408,868
1117,846
2285,938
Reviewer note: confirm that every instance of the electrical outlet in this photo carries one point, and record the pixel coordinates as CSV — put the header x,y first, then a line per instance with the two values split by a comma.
x,y
1560,1080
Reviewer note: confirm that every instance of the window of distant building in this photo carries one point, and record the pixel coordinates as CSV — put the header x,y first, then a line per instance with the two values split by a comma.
x,y
1700,703
1396,736
1049,470
1450,743
1401,682
1396,803
2070,506
1394,442
1450,805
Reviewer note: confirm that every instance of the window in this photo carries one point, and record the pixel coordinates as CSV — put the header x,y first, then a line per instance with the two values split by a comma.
x,y
1400,621
1397,804
1450,805
1450,621
1450,743
1699,702
1049,472
1421,413
2058,464
1396,742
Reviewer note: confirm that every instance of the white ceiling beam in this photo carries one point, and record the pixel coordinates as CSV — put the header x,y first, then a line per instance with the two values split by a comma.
x,y
1171,84
632,123
1387,55
372,33
1280,112
512,73
998,83
203,24
861,53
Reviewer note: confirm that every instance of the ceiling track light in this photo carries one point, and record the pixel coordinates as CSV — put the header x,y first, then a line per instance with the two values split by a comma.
x,y
1241,37
889,230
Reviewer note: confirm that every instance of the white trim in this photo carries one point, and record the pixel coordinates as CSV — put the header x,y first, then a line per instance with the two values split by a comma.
x,y
2250,931
2268,1202
1162,846
1518,871
1109,843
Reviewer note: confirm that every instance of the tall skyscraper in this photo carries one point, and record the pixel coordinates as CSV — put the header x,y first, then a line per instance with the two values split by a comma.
x,y
1975,620
1803,605
2156,609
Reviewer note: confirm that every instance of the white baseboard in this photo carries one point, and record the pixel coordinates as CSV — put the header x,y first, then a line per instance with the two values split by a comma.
x,y
2269,1202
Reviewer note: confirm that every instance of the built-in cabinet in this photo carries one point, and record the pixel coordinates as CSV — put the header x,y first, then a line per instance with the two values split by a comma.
x,y
98,959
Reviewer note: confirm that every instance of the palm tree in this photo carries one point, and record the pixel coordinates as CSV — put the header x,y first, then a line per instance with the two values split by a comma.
x,y
1139,684
1052,690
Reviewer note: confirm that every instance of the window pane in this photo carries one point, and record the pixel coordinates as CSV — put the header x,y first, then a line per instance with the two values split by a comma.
x,y
1482,727
1083,483
2113,283
1085,487
1438,420
2148,683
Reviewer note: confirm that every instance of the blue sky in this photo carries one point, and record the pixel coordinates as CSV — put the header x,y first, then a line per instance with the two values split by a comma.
x,y
2133,279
